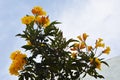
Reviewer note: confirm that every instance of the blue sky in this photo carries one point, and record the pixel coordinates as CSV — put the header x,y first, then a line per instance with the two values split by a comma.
x,y
98,18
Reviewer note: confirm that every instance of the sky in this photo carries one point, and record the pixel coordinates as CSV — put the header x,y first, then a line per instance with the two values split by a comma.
x,y
98,18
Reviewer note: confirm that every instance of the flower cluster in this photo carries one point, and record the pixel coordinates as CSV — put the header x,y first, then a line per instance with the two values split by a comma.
x,y
18,61
91,51
39,17
38,11
27,19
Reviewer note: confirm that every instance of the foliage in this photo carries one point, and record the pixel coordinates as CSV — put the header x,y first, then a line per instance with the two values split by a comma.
x,y
52,56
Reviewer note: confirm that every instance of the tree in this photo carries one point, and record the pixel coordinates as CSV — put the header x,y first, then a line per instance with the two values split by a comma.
x,y
52,57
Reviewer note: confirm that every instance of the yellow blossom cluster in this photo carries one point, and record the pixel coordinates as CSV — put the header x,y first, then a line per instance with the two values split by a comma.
x,y
27,19
18,61
43,20
38,11
82,46
39,17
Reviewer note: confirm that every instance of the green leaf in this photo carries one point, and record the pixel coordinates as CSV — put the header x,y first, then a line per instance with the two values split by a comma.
x,y
105,63
22,35
55,22
18,35
100,76
21,77
27,47
71,40
92,54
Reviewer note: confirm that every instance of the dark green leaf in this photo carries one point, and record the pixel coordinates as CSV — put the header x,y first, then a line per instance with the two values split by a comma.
x,y
105,63
100,76
27,47
21,77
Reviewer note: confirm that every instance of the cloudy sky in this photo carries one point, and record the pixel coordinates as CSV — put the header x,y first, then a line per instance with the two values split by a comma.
x,y
98,18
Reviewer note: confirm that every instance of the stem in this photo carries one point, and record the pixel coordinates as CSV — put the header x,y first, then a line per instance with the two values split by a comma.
x,y
99,55
95,50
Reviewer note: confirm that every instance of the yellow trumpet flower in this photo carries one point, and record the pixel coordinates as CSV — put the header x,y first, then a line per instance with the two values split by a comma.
x,y
37,10
107,50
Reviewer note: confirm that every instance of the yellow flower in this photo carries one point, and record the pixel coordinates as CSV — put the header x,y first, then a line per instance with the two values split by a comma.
x,y
99,43
73,49
14,54
18,61
78,46
90,48
73,55
13,70
75,46
43,20
100,39
20,57
107,50
37,10
27,19
38,19
82,45
83,37
79,37
96,62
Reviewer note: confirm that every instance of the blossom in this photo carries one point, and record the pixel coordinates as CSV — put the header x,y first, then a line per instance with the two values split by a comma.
x,y
79,37
73,48
82,45
27,19
37,10
99,43
14,54
18,61
43,20
83,37
13,70
96,62
76,45
100,39
107,50
89,48
73,55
